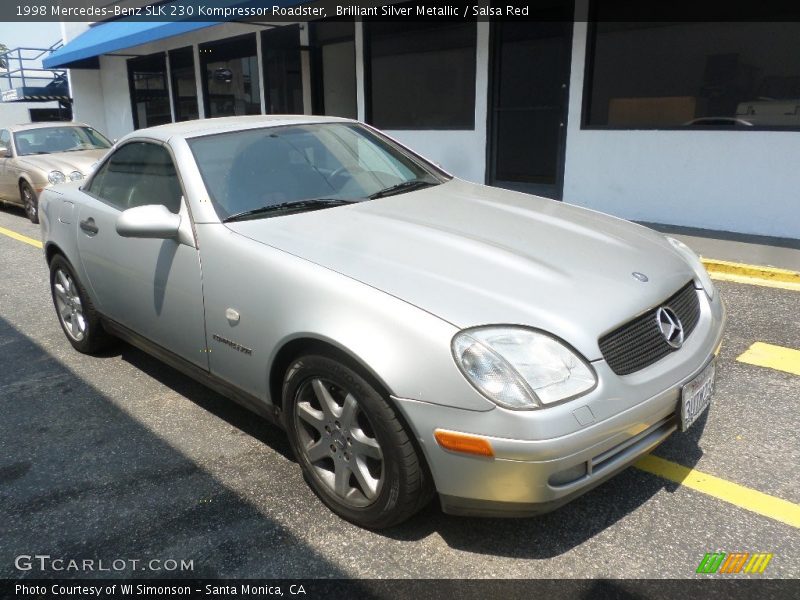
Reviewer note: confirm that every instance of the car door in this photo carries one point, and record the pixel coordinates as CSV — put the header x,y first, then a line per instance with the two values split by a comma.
x,y
151,286
5,167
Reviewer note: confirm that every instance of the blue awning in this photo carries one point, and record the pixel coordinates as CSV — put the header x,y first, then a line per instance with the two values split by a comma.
x,y
117,35
113,36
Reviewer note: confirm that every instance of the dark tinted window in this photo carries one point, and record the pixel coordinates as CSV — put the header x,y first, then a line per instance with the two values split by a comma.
x,y
138,174
421,75
282,72
149,93
184,84
715,74
232,85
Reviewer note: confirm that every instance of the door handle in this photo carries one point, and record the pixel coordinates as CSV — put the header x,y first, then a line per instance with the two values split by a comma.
x,y
88,226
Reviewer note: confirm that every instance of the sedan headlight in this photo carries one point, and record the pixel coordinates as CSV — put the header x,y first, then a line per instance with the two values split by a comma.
x,y
520,368
55,177
694,262
75,176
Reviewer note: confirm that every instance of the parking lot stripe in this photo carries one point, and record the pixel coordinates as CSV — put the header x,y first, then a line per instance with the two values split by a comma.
x,y
20,237
733,493
772,357
723,270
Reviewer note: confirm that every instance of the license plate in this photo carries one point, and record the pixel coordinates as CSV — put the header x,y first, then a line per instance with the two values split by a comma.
x,y
696,396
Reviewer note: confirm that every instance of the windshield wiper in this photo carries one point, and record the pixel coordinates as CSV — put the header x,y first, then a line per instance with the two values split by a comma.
x,y
292,206
405,186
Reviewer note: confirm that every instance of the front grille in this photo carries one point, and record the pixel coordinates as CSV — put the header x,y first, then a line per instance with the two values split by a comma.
x,y
638,343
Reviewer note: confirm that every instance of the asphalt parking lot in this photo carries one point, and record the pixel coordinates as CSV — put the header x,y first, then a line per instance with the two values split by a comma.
x,y
119,456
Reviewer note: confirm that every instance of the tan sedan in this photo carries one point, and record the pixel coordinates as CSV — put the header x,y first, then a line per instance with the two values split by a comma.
x,y
37,155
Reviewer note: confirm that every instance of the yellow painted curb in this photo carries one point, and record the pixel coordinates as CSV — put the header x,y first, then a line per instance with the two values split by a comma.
x,y
772,357
724,270
733,493
20,238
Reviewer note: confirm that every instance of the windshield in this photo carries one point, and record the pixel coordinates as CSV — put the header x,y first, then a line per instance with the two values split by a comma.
x,y
48,140
252,170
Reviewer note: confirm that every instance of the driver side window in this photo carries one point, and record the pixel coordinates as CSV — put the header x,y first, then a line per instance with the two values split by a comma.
x,y
137,174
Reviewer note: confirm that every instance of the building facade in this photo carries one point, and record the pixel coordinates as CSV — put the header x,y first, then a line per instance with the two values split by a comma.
x,y
691,124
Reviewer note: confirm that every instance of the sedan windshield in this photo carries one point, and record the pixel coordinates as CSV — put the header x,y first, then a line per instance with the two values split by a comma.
x,y
259,173
49,140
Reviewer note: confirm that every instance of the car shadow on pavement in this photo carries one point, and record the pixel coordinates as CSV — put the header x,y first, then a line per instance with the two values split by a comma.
x,y
82,478
206,398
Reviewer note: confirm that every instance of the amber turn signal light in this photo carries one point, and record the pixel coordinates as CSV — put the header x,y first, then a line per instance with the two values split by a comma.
x,y
463,443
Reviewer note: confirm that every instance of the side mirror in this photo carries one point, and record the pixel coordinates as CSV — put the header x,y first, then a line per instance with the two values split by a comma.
x,y
149,221
4,153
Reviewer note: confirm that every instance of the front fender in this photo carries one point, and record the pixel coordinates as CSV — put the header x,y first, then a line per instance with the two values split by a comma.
x,y
281,297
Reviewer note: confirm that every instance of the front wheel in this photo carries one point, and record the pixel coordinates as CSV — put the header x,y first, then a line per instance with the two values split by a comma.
x,y
74,309
29,201
353,449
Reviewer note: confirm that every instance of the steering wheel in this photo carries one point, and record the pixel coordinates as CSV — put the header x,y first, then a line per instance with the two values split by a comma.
x,y
345,173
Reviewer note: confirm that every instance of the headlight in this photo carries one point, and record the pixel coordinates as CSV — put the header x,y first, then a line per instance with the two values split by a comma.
x,y
75,176
695,263
55,177
521,368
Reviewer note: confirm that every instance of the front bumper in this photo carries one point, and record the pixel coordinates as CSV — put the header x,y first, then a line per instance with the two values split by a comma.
x,y
594,437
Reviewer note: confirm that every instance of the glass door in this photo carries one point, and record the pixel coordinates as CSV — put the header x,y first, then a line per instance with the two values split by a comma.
x,y
528,105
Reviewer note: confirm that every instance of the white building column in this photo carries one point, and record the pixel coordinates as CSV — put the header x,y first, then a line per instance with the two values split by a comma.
x,y
360,66
198,74
262,87
305,68
169,87
482,66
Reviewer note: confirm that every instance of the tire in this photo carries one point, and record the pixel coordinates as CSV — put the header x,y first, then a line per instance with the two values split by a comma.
x,y
30,201
353,449
76,313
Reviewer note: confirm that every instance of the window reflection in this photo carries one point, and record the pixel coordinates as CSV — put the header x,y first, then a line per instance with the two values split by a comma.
x,y
184,84
232,85
148,86
694,75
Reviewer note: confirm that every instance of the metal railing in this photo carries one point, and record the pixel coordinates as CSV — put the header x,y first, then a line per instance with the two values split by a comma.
x,y
15,69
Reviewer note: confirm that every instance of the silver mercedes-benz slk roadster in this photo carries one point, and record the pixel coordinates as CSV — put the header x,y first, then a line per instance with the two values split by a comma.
x,y
412,332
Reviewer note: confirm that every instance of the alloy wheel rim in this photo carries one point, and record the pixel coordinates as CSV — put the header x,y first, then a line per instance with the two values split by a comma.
x,y
338,441
69,306
29,206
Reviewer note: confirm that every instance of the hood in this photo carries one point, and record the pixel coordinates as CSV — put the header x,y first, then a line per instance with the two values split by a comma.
x,y
66,162
476,255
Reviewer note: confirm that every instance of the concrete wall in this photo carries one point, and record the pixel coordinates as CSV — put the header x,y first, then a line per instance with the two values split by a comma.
x,y
744,182
14,113
88,99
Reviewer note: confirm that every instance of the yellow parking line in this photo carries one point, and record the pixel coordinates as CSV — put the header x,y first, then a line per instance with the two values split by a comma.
x,y
723,270
20,237
772,357
733,493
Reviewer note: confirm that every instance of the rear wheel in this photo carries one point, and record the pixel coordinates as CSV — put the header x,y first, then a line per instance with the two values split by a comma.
x,y
74,309
29,201
353,449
